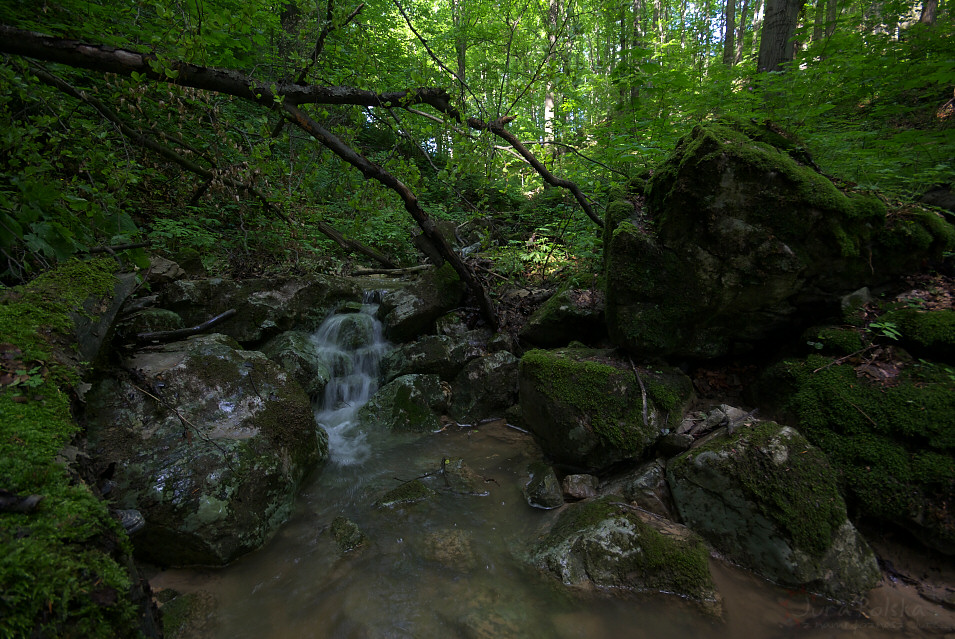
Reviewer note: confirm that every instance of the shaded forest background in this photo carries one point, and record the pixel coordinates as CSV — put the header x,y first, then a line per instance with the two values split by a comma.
x,y
598,90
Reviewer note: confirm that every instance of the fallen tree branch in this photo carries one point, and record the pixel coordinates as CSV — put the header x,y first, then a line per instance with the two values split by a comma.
x,y
169,336
497,127
207,174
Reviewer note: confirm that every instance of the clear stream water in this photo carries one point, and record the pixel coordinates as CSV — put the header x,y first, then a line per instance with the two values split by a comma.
x,y
450,567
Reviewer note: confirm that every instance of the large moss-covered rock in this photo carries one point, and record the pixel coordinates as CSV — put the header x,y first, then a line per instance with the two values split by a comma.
x,y
768,499
736,237
296,352
606,543
209,444
264,306
586,408
486,387
411,311
893,443
410,403
928,334
570,314
440,355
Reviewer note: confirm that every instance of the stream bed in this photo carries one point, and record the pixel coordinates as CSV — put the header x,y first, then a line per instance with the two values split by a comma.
x,y
453,566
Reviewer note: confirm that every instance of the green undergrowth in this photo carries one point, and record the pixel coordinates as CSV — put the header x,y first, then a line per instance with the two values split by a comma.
x,y
893,444
63,566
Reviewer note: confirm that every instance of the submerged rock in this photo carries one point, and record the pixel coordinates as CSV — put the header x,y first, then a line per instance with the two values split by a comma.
x,y
607,544
586,409
347,534
769,500
406,494
210,445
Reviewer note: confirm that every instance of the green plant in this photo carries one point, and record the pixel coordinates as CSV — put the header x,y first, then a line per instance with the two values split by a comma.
x,y
885,329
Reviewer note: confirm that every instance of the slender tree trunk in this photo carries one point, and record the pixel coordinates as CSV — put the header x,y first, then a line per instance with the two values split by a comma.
x,y
553,13
729,31
741,32
832,13
929,10
776,40
636,44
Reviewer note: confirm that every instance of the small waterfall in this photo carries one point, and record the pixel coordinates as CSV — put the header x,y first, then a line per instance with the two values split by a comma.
x,y
353,347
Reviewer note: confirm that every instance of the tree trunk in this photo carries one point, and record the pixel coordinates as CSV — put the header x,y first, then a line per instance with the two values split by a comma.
x,y
741,33
929,10
776,41
729,30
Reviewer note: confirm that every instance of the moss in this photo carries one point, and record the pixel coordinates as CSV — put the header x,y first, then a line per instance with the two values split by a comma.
x,y
892,445
926,333
598,391
618,211
834,339
801,497
62,572
660,562
407,493
347,534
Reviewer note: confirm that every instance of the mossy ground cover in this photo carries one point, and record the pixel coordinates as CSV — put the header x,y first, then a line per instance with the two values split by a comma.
x,y
62,571
893,444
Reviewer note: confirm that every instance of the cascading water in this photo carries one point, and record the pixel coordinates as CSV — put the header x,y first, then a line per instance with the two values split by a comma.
x,y
353,346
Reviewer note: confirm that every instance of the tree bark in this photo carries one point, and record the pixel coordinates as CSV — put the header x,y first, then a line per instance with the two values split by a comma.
x,y
779,26
497,128
929,10
125,62
729,37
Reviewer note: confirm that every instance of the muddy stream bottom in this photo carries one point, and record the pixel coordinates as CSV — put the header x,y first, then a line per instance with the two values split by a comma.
x,y
454,566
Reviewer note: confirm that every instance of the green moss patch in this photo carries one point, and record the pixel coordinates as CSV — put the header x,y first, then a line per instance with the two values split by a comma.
x,y
63,570
894,446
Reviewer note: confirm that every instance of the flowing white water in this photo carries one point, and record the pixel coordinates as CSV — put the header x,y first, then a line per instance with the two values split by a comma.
x,y
353,344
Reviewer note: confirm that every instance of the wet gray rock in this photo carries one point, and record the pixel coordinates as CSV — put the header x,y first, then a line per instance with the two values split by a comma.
x,y
209,443
769,500
264,307
296,353
486,387
151,320
607,544
410,403
431,355
95,322
162,271
542,489
577,487
646,488
410,312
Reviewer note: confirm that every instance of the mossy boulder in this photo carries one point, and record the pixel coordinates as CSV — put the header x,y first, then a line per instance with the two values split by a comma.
x,y
486,387
410,403
739,241
411,311
440,355
66,566
406,494
929,334
605,543
769,500
297,354
570,314
209,442
585,407
892,444
264,307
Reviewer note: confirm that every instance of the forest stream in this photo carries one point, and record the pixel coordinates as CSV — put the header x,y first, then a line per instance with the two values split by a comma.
x,y
454,565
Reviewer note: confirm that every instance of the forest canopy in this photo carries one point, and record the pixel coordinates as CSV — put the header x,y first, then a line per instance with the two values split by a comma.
x,y
596,93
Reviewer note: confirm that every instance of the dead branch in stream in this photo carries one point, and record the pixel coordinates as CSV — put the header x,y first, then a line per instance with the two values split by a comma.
x,y
169,336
